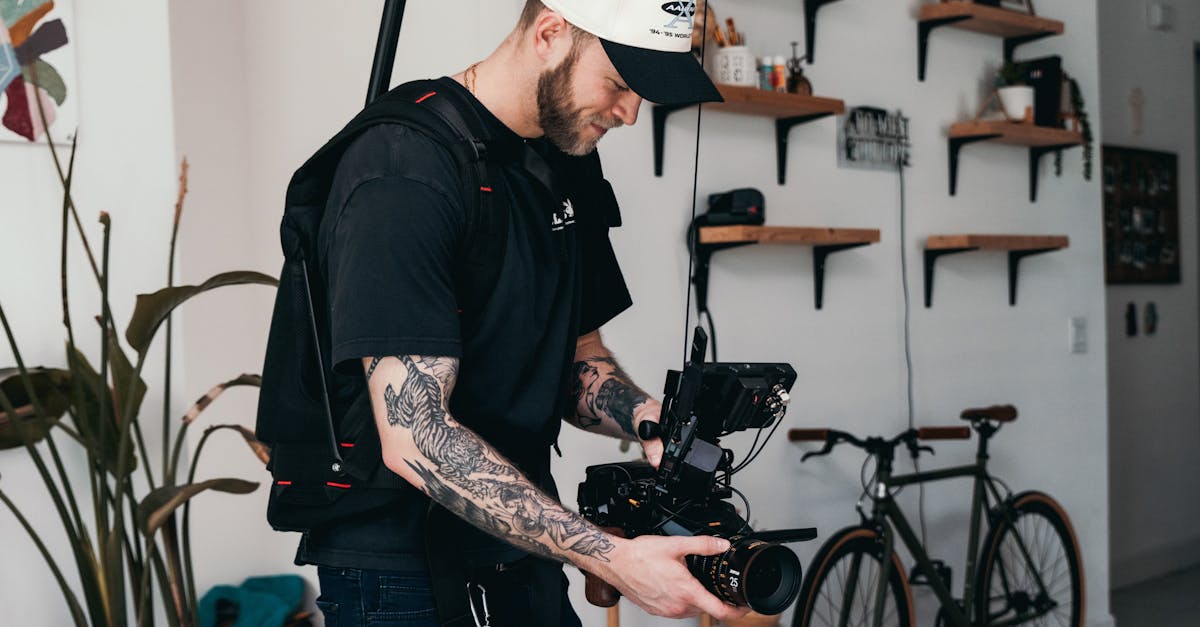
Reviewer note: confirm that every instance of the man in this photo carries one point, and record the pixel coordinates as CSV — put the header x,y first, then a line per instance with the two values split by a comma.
x,y
468,418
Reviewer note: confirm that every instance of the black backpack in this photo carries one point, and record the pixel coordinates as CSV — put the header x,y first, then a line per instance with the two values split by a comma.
x,y
317,460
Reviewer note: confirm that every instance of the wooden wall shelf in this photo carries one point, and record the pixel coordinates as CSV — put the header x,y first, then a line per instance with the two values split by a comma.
x,y
825,242
789,110
1013,27
1017,246
1041,140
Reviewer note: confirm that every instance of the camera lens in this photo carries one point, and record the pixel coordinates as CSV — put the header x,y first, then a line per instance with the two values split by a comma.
x,y
762,575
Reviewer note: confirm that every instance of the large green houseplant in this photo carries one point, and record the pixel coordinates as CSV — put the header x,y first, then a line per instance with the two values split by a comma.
x,y
131,539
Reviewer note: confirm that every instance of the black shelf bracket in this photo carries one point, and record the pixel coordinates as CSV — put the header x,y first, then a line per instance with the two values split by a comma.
x,y
783,127
931,257
810,25
1035,160
1014,263
820,254
661,113
704,253
700,274
924,27
956,144
1011,43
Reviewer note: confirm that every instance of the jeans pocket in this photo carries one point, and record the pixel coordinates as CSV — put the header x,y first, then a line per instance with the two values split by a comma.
x,y
330,611
404,600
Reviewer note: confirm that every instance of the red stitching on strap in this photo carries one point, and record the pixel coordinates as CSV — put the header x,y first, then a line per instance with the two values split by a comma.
x,y
426,97
344,486
283,483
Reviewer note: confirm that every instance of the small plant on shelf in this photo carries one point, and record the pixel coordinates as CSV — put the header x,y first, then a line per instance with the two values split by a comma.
x,y
1016,98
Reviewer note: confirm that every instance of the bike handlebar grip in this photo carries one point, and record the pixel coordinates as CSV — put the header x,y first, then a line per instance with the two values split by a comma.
x,y
944,433
807,435
597,591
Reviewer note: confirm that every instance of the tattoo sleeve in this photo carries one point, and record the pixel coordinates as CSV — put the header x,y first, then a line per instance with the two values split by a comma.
x,y
463,473
606,399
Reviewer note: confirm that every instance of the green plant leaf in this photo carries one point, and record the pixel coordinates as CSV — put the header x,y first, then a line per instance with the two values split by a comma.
x,y
100,435
123,373
52,387
157,507
260,450
152,309
246,380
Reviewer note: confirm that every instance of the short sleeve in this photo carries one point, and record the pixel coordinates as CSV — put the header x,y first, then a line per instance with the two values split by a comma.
x,y
390,267
605,294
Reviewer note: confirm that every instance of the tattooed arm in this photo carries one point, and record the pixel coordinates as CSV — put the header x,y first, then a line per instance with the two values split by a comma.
x,y
426,446
607,400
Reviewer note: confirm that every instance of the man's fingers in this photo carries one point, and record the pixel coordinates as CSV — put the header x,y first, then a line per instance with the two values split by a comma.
x,y
654,451
702,545
721,611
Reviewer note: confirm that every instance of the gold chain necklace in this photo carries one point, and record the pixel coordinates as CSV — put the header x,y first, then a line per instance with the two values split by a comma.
x,y
470,77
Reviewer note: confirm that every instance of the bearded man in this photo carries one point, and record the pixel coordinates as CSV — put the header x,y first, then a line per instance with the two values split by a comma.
x,y
468,416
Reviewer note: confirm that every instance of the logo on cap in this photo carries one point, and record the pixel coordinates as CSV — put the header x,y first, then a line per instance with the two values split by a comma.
x,y
683,12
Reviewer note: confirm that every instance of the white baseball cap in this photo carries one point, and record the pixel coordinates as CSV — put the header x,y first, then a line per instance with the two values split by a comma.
x,y
649,42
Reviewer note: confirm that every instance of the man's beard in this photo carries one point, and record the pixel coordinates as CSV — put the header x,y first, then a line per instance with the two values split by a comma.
x,y
563,123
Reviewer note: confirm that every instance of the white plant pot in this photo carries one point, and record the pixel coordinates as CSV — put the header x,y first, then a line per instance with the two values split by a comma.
x,y
1015,101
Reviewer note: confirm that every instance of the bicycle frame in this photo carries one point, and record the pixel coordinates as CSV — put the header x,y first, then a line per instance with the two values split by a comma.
x,y
887,516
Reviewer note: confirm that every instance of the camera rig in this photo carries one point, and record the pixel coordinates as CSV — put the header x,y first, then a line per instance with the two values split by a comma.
x,y
687,494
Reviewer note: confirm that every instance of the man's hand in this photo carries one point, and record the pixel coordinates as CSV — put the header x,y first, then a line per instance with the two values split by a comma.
x,y
651,572
650,411
606,399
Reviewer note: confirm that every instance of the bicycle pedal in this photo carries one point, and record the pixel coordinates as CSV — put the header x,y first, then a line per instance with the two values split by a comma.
x,y
917,577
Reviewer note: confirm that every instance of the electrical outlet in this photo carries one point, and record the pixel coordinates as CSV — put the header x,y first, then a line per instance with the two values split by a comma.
x,y
1077,335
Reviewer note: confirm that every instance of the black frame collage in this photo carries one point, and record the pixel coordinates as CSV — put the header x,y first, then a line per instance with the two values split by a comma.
x,y
1141,216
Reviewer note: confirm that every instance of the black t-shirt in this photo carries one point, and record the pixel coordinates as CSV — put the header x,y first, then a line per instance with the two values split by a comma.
x,y
388,245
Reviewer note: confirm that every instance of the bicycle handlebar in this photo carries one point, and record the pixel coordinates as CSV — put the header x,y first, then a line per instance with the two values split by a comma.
x,y
944,433
874,445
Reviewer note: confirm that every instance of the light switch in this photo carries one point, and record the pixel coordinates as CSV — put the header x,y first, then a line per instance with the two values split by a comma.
x,y
1077,335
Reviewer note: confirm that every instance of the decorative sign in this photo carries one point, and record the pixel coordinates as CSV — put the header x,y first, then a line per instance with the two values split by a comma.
x,y
870,138
1141,216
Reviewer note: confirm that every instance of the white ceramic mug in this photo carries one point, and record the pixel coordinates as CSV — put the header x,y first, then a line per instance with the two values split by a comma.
x,y
735,65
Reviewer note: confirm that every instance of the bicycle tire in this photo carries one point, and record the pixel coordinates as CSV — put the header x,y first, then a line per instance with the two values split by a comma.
x,y
1005,588
823,591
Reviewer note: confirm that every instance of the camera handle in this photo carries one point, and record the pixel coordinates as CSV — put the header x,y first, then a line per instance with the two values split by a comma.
x,y
599,592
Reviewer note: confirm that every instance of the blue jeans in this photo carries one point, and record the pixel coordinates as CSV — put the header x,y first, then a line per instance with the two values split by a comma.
x,y
357,598
354,598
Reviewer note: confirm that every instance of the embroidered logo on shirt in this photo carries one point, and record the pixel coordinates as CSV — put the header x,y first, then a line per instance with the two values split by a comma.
x,y
564,217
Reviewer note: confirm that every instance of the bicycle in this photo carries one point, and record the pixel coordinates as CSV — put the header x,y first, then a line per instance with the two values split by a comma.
x,y
1029,572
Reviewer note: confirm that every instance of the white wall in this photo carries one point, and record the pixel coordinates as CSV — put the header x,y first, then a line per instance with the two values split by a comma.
x,y
259,85
124,166
1153,399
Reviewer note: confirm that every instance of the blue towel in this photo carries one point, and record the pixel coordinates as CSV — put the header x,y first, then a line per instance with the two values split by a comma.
x,y
258,602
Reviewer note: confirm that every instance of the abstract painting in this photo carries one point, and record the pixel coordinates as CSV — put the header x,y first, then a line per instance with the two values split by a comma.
x,y
37,71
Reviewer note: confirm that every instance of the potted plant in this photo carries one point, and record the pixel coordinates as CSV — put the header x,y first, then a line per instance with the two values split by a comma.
x,y
1016,98
127,538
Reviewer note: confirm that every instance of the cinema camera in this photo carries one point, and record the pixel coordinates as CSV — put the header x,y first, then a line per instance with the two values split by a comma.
x,y
686,495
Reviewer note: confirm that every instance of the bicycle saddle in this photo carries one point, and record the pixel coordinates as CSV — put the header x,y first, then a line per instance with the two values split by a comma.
x,y
996,413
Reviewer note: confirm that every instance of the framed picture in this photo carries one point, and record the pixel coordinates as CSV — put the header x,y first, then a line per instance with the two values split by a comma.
x,y
37,71
1141,216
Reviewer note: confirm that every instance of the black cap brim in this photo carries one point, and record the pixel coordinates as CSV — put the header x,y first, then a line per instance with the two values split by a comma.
x,y
669,78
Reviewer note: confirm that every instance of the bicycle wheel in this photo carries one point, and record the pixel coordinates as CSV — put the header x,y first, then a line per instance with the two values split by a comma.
x,y
831,589
1006,587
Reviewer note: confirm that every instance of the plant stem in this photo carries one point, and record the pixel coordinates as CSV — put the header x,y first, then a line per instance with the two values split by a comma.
x,y
72,601
166,431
